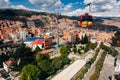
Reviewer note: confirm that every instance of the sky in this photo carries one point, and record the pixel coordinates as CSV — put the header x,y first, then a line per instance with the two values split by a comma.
x,y
105,8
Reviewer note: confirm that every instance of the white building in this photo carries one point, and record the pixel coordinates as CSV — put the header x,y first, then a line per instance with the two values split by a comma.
x,y
22,35
93,39
117,67
49,34
72,38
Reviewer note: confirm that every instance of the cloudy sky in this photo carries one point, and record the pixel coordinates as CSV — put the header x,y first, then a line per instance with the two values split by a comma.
x,y
67,7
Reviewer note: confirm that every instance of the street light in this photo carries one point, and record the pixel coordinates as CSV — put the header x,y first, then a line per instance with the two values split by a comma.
x,y
56,23
90,4
57,28
57,33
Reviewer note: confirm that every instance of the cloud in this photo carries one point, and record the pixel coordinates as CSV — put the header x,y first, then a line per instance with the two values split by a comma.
x,y
23,7
77,12
88,1
68,7
4,3
99,8
73,13
19,7
46,3
71,5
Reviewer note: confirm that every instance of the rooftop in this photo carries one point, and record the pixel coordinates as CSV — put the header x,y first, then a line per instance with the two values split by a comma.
x,y
46,51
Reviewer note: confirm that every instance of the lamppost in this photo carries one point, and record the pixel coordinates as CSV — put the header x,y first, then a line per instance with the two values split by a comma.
x,y
57,28
57,33
56,24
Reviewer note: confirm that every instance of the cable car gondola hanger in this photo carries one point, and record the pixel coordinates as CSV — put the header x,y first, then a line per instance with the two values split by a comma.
x,y
86,20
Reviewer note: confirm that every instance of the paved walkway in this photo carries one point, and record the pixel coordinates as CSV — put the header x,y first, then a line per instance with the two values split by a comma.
x,y
70,71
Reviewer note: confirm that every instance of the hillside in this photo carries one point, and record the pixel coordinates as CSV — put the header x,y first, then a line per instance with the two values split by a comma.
x,y
111,22
14,14
44,19
41,19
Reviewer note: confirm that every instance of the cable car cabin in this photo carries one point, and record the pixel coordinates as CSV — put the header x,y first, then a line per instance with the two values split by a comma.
x,y
86,20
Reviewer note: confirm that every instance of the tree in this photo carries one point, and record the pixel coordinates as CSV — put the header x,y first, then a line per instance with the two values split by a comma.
x,y
74,46
110,51
3,58
25,55
37,49
30,72
115,53
74,50
46,66
57,63
66,60
24,26
85,40
64,49
40,57
91,45
116,39
86,49
44,62
79,51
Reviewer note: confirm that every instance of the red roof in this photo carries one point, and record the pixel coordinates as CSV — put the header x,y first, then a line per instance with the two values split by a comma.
x,y
38,41
118,48
9,62
46,51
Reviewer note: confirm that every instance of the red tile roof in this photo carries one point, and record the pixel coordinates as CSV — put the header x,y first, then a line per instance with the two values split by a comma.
x,y
38,41
46,51
9,62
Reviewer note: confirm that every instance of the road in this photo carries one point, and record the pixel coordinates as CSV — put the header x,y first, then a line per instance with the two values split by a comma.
x,y
70,71
108,68
92,69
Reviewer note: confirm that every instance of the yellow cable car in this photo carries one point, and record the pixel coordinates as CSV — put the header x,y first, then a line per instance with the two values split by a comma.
x,y
86,20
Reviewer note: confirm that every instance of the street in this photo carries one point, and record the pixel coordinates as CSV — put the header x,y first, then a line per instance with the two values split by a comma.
x,y
108,68
92,69
71,70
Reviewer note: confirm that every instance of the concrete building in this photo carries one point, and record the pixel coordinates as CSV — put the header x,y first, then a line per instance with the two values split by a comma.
x,y
30,24
93,39
117,65
72,38
49,34
22,35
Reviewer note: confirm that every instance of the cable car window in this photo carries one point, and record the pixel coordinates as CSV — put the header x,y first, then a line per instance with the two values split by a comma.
x,y
87,18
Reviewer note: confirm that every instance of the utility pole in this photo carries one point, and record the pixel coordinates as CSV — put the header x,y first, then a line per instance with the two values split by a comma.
x,y
56,24
89,4
57,28
57,33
